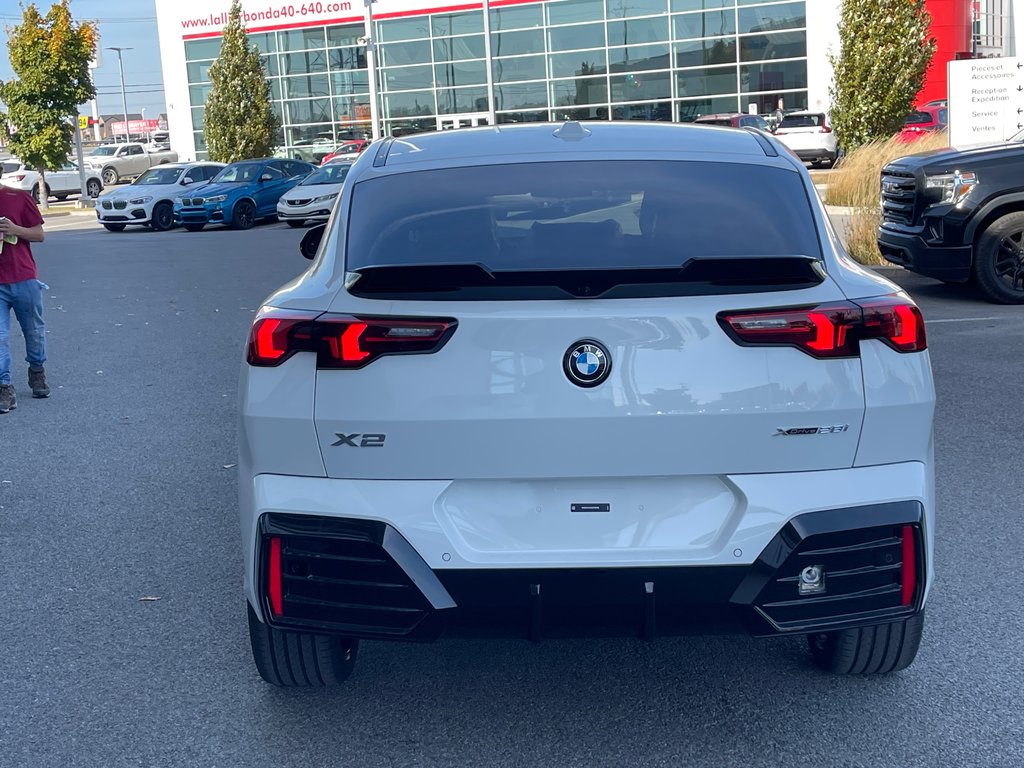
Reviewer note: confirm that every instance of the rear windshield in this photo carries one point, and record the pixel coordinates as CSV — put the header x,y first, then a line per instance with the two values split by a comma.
x,y
12,167
333,173
581,215
802,121
920,118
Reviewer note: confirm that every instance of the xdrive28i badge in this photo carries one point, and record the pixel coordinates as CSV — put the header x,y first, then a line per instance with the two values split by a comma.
x,y
587,363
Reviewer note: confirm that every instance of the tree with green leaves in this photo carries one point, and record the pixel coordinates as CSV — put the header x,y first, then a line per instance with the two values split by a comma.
x,y
884,51
50,57
240,120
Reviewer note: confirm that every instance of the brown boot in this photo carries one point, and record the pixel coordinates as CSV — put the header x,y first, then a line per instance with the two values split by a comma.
x,y
8,400
37,382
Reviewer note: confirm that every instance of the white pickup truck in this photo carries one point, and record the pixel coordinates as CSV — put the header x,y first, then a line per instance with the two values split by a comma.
x,y
125,161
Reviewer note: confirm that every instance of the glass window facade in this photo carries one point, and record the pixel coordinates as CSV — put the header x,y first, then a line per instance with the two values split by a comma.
x,y
550,60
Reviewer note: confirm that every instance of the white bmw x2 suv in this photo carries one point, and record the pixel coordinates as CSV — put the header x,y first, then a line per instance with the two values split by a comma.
x,y
585,379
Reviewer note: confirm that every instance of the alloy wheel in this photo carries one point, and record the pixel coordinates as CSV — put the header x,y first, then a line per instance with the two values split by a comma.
x,y
1009,262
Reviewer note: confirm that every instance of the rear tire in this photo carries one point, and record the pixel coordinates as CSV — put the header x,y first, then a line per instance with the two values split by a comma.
x,y
115,227
194,227
300,659
36,193
876,650
999,260
93,188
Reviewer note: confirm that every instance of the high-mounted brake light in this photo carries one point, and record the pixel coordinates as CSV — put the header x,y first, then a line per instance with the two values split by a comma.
x,y
831,330
342,341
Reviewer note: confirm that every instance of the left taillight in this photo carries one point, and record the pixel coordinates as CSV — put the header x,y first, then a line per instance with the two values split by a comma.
x,y
342,341
831,330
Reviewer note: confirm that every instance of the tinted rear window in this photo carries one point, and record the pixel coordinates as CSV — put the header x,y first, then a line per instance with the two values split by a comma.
x,y
919,118
802,121
11,167
580,216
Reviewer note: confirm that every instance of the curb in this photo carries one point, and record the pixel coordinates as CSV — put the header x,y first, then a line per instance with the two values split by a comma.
x,y
50,214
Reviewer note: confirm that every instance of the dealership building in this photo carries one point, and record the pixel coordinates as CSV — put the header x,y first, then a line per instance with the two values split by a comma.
x,y
671,60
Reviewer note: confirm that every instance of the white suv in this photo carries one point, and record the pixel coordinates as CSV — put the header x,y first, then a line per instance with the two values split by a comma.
x,y
59,183
810,136
544,381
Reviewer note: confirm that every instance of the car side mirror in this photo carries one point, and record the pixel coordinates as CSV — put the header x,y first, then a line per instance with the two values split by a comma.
x,y
266,177
188,180
311,241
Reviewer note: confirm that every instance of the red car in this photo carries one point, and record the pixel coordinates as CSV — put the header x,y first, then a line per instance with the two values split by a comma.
x,y
923,121
348,150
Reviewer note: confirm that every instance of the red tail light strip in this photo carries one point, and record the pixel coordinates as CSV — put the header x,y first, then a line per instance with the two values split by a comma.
x,y
831,330
341,341
909,570
275,590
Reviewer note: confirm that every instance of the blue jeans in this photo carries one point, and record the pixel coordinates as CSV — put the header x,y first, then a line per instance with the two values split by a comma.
x,y
26,299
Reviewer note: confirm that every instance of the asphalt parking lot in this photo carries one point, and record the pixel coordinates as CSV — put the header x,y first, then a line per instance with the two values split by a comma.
x,y
120,577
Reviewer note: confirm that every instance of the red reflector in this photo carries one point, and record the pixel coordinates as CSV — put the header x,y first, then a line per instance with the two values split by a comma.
x,y
825,129
909,571
275,592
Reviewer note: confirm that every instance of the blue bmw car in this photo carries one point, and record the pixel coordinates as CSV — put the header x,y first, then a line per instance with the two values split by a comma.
x,y
241,194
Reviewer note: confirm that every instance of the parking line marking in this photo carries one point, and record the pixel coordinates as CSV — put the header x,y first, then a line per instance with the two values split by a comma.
x,y
963,319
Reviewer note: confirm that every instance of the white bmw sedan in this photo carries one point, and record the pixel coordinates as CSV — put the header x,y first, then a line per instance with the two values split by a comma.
x,y
584,379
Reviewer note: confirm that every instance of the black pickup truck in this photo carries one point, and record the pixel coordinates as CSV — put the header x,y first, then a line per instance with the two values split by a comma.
x,y
958,216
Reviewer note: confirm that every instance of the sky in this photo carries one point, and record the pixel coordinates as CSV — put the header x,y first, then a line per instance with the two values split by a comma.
x,y
122,23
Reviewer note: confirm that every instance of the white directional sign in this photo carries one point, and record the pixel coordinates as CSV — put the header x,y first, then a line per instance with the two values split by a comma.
x,y
986,100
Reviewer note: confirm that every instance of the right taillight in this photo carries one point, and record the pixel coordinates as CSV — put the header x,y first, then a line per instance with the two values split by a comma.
x,y
342,341
830,330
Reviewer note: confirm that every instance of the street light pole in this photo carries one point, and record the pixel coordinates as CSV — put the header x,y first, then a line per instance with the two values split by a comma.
x,y
124,99
371,68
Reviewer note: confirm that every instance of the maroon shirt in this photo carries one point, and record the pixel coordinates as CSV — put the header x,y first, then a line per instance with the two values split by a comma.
x,y
16,262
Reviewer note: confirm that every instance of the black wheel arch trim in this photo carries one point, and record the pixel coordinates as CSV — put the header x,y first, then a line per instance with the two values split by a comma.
x,y
991,211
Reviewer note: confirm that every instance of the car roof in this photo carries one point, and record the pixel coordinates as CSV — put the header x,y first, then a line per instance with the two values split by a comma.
x,y
187,164
805,113
566,141
720,116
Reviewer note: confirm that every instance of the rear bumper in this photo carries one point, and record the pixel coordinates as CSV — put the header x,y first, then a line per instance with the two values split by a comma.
x,y
812,154
952,264
362,578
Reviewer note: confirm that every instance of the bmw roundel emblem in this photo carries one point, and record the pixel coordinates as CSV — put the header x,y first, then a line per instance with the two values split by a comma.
x,y
587,363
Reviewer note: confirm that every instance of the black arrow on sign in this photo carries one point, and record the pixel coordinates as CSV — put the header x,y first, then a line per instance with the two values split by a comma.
x,y
1019,126
1019,65
1020,87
